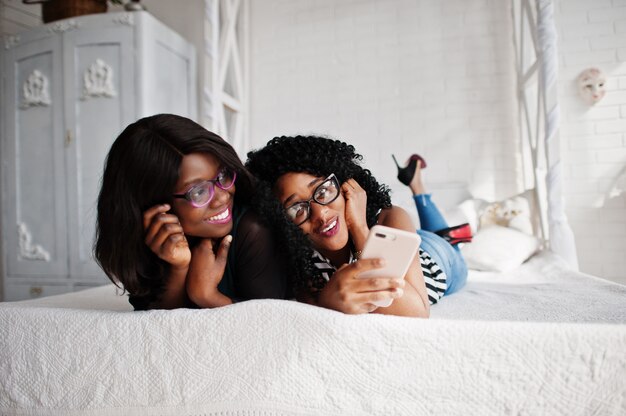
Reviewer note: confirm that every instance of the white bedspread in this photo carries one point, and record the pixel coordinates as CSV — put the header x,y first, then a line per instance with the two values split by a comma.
x,y
279,357
543,289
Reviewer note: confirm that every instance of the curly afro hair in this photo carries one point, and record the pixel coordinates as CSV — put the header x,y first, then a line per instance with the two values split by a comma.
x,y
318,156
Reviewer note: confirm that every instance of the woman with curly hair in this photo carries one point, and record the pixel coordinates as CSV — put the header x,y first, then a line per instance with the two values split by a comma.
x,y
322,204
170,227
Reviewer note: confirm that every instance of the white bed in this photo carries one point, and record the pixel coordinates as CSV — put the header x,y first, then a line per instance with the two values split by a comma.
x,y
87,353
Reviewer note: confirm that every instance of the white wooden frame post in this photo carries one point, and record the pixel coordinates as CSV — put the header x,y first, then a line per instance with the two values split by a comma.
x,y
224,104
539,119
527,66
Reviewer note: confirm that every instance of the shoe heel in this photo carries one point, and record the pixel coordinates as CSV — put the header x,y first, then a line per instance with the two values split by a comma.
x,y
405,174
396,162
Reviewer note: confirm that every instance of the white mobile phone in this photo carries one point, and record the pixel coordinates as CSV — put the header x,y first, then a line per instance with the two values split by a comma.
x,y
397,247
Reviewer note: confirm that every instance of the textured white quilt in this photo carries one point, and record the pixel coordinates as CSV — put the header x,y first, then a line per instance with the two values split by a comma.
x,y
543,289
280,357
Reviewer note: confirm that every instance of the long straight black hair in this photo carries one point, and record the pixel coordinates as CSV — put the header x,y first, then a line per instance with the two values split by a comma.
x,y
141,170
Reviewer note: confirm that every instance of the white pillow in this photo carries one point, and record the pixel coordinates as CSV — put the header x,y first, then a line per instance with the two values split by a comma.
x,y
499,249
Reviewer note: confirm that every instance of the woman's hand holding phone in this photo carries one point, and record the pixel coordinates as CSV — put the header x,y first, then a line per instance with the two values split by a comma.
x,y
397,247
345,292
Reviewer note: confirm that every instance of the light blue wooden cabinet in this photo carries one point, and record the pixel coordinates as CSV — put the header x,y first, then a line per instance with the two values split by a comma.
x,y
70,88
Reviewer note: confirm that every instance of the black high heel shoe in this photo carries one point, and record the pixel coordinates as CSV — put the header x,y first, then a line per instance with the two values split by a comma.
x,y
405,174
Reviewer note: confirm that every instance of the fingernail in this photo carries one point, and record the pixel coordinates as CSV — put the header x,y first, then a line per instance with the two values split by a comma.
x,y
380,262
397,292
401,282
228,239
166,206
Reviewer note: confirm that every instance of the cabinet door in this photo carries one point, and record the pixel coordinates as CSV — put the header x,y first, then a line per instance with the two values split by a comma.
x,y
99,74
34,195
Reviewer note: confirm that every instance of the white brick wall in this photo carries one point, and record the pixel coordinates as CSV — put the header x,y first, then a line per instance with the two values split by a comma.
x,y
593,33
434,77
437,78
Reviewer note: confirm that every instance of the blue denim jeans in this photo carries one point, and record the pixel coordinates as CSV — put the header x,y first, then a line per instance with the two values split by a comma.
x,y
447,256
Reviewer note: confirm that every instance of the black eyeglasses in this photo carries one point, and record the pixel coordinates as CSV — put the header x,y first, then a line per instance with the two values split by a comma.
x,y
201,194
325,193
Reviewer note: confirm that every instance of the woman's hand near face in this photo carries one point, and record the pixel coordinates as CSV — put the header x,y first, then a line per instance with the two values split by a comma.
x,y
205,273
166,239
356,205
165,236
345,292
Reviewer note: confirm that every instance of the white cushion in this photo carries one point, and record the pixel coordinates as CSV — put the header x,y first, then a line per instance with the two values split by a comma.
x,y
499,249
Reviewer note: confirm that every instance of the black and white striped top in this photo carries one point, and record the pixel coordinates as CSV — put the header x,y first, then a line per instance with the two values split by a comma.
x,y
434,277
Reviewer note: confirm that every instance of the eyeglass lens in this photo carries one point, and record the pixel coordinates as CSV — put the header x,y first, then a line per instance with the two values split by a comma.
x,y
324,194
202,194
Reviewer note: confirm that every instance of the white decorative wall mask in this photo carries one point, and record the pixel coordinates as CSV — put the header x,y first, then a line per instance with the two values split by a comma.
x,y
98,80
35,90
592,85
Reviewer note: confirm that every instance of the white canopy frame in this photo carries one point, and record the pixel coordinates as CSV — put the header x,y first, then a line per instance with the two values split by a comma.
x,y
536,56
225,96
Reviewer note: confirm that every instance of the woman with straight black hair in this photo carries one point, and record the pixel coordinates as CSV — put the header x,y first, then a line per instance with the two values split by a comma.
x,y
171,230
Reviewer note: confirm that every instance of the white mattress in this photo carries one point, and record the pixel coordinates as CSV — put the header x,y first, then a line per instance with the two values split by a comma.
x,y
60,356
543,289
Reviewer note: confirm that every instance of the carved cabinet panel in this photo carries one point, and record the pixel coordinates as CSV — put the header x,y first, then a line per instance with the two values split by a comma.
x,y
99,103
69,90
35,220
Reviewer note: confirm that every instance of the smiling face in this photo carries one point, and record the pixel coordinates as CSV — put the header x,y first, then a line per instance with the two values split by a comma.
x,y
326,227
215,219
